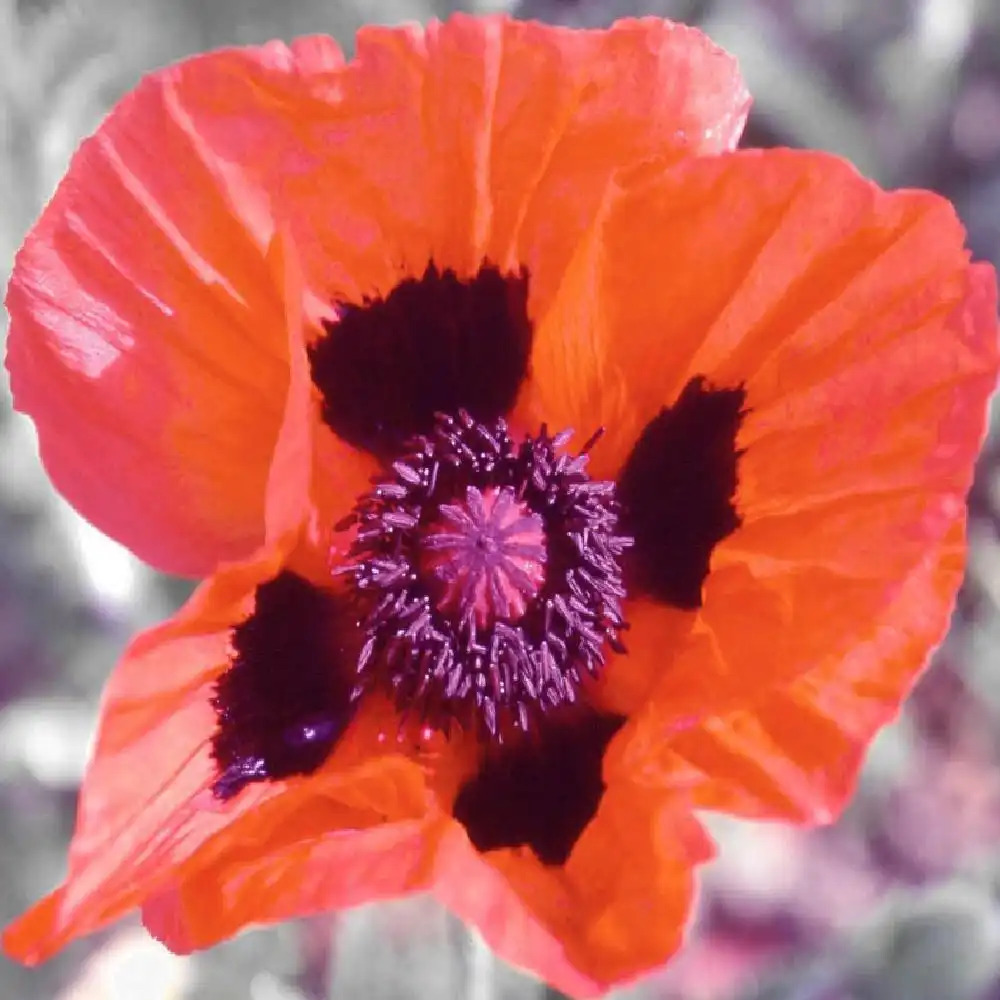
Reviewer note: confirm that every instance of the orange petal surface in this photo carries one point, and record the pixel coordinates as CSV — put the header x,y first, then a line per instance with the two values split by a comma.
x,y
323,868
147,339
867,344
617,909
314,477
792,749
487,138
147,814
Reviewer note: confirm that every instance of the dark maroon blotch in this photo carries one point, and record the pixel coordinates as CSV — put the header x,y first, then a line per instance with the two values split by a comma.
x,y
285,698
540,792
437,343
677,492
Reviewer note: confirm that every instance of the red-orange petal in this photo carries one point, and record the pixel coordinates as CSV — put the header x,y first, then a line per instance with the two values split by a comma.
x,y
792,749
147,816
618,908
314,476
151,760
868,348
146,337
655,635
755,263
487,138
306,871
143,283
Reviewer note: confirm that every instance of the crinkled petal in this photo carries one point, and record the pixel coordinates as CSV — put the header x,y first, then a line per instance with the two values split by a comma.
x,y
314,476
617,909
146,337
147,813
867,345
487,138
151,763
792,749
787,268
300,872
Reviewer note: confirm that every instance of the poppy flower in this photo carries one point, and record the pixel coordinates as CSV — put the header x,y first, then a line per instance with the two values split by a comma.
x,y
322,331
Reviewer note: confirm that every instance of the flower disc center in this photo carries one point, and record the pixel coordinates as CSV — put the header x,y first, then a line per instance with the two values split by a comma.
x,y
486,577
484,558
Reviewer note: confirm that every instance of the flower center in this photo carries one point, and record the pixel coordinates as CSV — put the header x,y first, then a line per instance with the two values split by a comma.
x,y
486,577
484,558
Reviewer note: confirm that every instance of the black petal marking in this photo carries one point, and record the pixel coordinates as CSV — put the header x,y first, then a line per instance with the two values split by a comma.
x,y
285,698
676,492
540,792
434,343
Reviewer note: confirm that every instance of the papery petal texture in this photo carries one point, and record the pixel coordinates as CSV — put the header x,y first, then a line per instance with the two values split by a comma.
x,y
148,820
488,138
270,270
147,339
142,282
619,907
867,347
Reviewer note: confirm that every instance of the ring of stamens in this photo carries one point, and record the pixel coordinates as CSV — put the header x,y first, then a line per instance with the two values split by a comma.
x,y
486,577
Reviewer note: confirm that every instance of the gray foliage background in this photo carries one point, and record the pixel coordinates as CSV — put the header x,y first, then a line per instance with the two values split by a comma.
x,y
897,901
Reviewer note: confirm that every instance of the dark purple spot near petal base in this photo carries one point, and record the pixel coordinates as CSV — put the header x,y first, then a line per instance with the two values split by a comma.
x,y
677,492
540,792
285,698
437,343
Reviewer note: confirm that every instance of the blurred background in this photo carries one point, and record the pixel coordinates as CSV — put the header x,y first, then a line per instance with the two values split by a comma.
x,y
897,901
